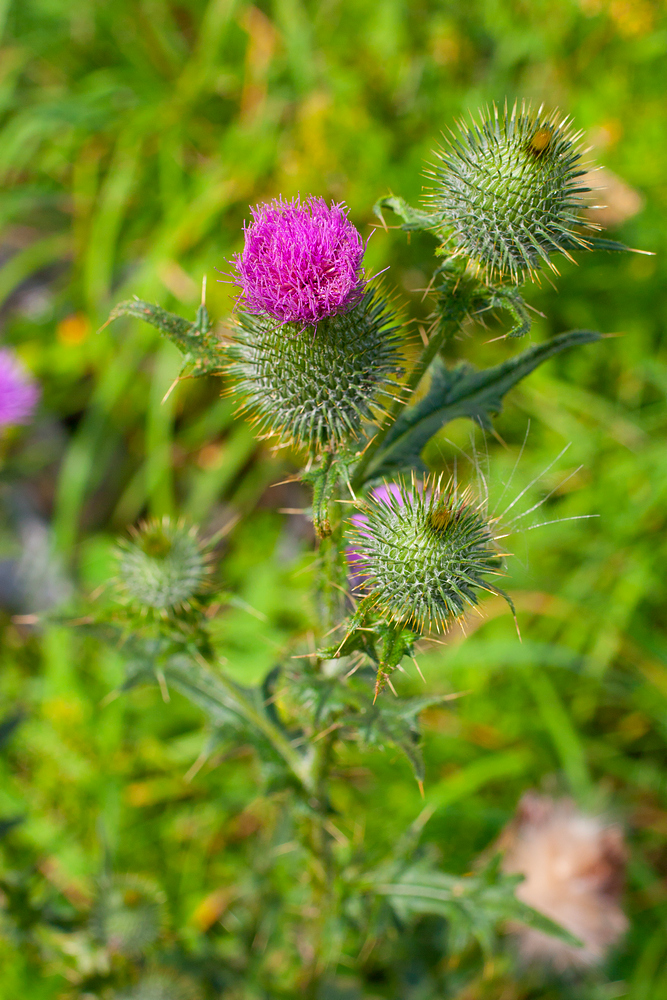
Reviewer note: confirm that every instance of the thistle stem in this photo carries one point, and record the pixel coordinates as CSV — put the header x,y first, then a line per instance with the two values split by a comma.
x,y
211,690
442,334
324,873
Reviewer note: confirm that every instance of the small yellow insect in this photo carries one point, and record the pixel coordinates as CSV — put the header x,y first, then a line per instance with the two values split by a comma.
x,y
540,140
440,518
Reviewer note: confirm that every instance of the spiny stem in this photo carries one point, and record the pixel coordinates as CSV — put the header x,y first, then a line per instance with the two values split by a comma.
x,y
442,334
221,690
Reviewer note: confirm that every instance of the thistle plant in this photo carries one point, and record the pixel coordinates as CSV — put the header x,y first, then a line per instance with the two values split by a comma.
x,y
311,352
127,914
315,355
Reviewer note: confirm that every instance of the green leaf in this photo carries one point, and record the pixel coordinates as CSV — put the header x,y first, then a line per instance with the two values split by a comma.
x,y
395,721
413,218
462,391
202,351
248,714
227,703
474,905
512,302
463,783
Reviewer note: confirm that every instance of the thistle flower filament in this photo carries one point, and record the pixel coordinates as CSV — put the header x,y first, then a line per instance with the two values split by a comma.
x,y
301,261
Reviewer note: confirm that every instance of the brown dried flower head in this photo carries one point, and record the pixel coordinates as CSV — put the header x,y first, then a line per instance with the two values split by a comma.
x,y
574,868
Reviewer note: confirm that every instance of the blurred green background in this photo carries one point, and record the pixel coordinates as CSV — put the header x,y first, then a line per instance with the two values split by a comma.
x,y
133,136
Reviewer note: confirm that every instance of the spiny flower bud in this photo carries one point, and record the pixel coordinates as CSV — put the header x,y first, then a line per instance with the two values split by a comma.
x,y
301,262
423,552
163,567
18,392
315,387
507,188
161,985
127,916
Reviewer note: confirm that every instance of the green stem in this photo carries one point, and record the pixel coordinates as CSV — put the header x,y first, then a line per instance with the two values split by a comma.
x,y
323,879
426,357
212,690
331,594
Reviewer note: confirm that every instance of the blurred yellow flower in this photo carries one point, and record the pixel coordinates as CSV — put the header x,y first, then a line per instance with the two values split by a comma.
x,y
73,329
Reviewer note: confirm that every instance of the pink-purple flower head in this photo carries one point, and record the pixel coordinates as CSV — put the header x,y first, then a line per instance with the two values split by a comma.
x,y
301,261
18,392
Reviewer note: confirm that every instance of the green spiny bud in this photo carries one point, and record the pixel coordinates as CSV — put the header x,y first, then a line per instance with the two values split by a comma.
x,y
315,385
507,189
161,985
422,552
163,567
127,917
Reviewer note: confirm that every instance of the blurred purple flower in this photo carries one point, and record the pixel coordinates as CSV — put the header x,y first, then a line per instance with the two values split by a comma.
x,y
18,392
355,561
301,262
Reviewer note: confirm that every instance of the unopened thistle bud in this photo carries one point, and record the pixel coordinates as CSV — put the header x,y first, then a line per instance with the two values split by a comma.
x,y
424,551
316,386
162,568
161,985
127,916
507,189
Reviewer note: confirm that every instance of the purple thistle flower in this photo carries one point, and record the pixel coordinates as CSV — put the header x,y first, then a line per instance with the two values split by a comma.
x,y
301,262
18,392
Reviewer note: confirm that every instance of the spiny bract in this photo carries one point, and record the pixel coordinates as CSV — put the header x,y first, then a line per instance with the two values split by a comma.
x,y
507,189
423,551
315,386
163,566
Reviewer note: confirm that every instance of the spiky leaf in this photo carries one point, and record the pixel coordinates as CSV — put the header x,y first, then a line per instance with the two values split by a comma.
x,y
201,349
414,219
474,905
395,721
462,391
